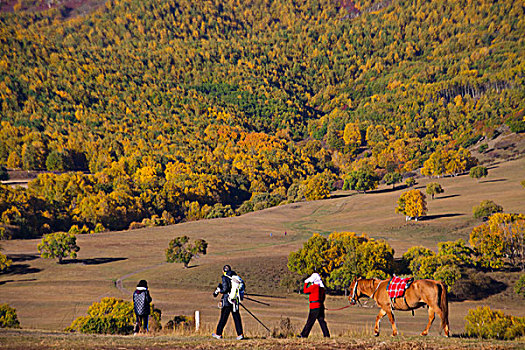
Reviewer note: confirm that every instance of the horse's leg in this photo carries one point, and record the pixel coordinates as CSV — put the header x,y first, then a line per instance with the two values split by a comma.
x,y
393,322
431,317
441,315
379,316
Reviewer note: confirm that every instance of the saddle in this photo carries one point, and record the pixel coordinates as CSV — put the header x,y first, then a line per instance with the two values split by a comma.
x,y
396,288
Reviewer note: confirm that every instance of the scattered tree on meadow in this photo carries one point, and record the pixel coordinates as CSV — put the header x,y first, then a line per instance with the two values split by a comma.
x,y
485,209
179,250
392,179
58,246
434,188
361,180
478,172
412,204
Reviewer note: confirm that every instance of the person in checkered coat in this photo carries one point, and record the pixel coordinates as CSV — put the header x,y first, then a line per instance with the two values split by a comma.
x,y
141,306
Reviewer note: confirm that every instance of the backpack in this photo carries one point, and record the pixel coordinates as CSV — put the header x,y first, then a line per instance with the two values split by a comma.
x,y
237,289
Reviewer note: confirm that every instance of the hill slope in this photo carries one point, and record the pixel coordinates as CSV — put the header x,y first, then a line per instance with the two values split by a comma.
x,y
47,295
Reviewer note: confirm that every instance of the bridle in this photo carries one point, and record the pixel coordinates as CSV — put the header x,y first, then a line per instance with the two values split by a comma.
x,y
353,299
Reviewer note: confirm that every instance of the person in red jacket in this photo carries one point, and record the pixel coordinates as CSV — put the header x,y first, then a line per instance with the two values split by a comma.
x,y
314,286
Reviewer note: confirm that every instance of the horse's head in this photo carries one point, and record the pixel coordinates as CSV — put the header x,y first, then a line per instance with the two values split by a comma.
x,y
355,292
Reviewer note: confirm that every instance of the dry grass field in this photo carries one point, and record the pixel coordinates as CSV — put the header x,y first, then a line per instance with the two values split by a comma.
x,y
49,296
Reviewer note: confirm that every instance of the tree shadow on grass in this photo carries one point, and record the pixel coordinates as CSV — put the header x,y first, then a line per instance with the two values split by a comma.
x,y
489,181
21,269
390,189
341,195
92,261
449,196
10,281
23,257
439,216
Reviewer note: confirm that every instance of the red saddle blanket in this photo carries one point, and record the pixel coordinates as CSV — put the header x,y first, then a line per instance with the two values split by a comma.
x,y
397,286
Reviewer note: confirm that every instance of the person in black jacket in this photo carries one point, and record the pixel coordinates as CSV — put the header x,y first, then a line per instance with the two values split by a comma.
x,y
141,306
226,306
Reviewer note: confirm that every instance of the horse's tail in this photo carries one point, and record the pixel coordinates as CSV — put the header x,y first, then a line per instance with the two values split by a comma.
x,y
444,307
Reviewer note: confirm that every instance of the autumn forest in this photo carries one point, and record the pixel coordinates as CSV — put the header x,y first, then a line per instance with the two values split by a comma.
x,y
155,112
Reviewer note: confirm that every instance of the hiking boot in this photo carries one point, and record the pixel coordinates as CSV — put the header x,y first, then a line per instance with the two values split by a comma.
x,y
216,336
240,337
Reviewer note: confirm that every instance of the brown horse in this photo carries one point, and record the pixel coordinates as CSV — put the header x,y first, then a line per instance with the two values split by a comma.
x,y
419,293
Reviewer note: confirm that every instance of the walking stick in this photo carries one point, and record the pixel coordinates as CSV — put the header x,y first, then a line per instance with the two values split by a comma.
x,y
256,301
268,329
265,296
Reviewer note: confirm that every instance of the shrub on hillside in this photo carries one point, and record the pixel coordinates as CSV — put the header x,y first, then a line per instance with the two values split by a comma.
x,y
485,209
109,316
483,322
519,287
112,316
478,172
8,317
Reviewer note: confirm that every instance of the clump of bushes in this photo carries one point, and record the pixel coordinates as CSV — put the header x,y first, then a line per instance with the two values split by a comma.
x,y
112,316
8,317
483,322
181,322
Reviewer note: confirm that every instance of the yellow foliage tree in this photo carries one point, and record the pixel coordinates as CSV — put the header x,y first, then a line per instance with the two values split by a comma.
x,y
412,204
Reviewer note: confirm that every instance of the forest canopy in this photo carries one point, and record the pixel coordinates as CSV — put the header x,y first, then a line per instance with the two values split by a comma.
x,y
168,111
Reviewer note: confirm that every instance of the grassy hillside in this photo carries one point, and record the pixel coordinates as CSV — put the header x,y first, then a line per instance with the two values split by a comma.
x,y
49,296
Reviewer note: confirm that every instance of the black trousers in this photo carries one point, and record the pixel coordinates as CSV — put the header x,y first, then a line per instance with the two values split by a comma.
x,y
315,314
141,323
225,313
